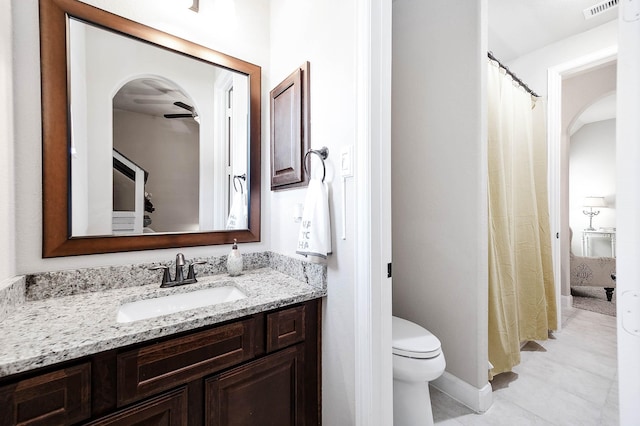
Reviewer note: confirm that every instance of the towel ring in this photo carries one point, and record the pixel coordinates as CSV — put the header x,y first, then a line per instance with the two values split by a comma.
x,y
323,153
240,178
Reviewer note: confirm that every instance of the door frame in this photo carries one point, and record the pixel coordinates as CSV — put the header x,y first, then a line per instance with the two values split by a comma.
x,y
558,163
373,365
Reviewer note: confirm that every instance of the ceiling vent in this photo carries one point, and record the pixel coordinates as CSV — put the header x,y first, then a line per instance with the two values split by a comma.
x,y
599,8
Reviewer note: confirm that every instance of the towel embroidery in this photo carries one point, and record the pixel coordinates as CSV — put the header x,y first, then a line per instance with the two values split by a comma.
x,y
305,235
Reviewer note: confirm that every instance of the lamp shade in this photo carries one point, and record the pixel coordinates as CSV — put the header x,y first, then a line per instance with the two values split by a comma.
x,y
594,202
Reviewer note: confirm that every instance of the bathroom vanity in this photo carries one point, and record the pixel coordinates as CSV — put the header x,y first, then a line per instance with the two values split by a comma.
x,y
68,354
261,367
250,361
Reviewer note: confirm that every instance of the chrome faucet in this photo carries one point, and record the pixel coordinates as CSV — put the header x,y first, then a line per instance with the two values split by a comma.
x,y
179,278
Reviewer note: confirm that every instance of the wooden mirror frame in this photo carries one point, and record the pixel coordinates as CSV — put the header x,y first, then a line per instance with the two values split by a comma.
x,y
56,135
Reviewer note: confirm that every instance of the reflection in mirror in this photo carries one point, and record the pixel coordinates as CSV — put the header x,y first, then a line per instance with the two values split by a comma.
x,y
148,130
156,138
148,140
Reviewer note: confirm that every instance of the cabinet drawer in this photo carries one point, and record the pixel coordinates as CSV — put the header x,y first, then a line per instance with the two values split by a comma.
x,y
285,328
168,409
158,367
61,397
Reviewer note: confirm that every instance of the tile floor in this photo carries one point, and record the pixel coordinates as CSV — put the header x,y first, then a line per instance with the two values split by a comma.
x,y
570,379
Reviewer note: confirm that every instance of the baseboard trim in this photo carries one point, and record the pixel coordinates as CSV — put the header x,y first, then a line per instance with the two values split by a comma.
x,y
567,301
479,400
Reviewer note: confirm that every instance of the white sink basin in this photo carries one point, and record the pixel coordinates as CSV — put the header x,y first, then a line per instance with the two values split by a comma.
x,y
164,305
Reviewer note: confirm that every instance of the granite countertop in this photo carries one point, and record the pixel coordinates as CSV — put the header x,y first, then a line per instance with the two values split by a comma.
x,y
45,332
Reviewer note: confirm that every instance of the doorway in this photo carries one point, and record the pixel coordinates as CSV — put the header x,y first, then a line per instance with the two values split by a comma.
x,y
559,120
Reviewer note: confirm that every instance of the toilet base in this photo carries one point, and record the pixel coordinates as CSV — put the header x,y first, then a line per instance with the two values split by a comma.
x,y
411,404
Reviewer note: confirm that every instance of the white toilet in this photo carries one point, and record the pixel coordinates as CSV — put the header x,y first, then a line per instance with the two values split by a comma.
x,y
417,359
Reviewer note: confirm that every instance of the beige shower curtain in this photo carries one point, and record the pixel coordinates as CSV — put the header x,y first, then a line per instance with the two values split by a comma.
x,y
522,303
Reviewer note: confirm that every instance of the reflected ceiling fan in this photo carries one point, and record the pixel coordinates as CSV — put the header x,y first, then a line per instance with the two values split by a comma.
x,y
192,112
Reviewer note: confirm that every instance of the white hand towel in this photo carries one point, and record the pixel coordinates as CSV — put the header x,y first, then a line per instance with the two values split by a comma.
x,y
238,215
314,240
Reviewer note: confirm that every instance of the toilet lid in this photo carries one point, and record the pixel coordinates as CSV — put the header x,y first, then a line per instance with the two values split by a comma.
x,y
413,341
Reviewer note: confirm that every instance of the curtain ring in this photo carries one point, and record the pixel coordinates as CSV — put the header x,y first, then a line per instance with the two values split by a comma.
x,y
323,153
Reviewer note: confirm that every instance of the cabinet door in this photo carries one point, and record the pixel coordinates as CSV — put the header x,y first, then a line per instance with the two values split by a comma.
x,y
269,391
290,129
61,397
169,409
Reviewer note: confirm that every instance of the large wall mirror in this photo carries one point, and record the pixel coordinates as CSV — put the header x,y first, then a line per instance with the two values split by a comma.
x,y
149,141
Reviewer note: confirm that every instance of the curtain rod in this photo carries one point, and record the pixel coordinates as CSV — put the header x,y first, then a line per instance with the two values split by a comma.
x,y
515,77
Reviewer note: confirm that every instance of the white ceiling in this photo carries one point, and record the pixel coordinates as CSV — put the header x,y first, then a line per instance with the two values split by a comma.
x,y
517,27
152,96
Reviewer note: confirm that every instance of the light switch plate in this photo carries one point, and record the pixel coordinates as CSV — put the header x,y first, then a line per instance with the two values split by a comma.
x,y
298,209
346,161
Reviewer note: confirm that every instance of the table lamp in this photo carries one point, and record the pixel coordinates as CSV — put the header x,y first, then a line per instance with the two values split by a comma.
x,y
592,202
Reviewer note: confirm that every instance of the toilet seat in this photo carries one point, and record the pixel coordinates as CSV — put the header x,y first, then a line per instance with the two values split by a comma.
x,y
413,341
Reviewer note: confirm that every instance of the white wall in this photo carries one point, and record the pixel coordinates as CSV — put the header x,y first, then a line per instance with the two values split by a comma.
x,y
532,67
592,172
322,32
169,151
79,157
582,90
7,180
245,35
439,176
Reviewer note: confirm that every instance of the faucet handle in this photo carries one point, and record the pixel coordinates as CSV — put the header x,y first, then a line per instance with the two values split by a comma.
x,y
166,276
191,275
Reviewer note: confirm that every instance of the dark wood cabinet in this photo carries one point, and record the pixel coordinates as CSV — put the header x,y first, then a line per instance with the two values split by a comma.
x,y
151,369
290,133
169,409
62,396
266,392
285,328
259,370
